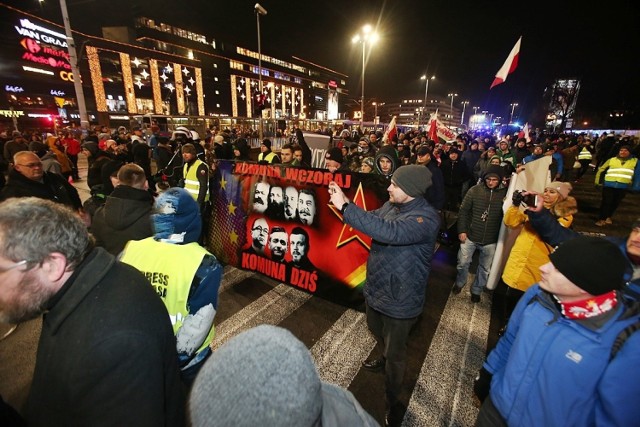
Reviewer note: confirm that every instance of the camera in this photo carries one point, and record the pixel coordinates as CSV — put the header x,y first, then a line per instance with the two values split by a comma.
x,y
519,198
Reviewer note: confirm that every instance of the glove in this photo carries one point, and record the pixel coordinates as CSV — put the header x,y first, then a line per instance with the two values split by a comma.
x,y
517,198
482,384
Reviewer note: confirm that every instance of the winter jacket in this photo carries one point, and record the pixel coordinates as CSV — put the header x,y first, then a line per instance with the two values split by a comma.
x,y
53,187
126,215
478,200
470,159
529,252
404,237
435,193
551,371
454,172
106,354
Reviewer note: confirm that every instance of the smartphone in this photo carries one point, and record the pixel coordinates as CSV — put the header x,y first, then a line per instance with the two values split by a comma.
x,y
530,200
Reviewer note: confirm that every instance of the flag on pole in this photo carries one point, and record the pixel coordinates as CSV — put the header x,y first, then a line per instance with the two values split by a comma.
x,y
438,130
509,65
433,127
391,131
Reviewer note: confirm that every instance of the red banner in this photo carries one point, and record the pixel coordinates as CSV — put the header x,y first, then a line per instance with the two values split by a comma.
x,y
277,221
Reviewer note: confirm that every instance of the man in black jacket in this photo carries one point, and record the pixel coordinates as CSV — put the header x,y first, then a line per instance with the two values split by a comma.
x,y
126,214
479,223
28,179
107,353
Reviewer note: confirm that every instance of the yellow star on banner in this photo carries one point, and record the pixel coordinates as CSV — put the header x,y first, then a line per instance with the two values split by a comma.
x,y
223,183
349,233
232,208
233,237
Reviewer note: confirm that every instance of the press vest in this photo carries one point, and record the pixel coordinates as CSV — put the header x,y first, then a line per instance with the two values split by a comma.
x,y
191,183
618,172
585,154
269,157
171,280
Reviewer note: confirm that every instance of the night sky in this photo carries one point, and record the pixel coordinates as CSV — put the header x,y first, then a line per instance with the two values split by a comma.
x,y
463,43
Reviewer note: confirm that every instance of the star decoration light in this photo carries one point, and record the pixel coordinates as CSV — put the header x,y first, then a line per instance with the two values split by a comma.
x,y
185,71
168,69
136,62
139,83
164,77
191,81
349,233
239,88
170,87
188,90
144,74
243,97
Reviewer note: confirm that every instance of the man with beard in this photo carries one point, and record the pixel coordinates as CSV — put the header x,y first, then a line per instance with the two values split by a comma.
x,y
306,206
275,203
290,203
107,353
299,247
278,243
260,194
259,233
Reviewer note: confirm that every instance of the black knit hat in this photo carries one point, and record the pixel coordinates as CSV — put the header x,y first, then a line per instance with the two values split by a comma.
x,y
414,180
267,143
494,170
592,263
335,154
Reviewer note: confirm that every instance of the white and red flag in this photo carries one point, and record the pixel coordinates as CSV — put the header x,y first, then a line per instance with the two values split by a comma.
x,y
509,65
437,129
391,130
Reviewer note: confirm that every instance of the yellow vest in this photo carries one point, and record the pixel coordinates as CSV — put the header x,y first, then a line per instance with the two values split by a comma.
x,y
171,280
585,154
191,183
269,157
618,172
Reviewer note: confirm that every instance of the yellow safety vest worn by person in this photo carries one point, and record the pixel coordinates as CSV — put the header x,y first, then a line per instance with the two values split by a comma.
x,y
619,172
171,280
585,154
191,183
268,158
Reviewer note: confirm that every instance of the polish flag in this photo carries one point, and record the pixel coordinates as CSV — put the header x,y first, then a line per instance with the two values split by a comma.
x,y
509,65
433,127
391,131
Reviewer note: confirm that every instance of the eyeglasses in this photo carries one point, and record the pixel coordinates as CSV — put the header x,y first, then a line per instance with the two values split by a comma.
x,y
32,165
261,230
15,265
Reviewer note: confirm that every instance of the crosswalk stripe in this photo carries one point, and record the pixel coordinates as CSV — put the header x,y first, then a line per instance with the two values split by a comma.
x,y
271,308
340,351
443,394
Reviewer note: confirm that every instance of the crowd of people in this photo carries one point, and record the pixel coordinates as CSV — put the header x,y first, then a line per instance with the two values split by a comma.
x,y
152,194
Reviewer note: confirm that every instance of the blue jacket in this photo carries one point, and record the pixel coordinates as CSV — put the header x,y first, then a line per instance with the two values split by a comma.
x,y
552,233
404,237
552,371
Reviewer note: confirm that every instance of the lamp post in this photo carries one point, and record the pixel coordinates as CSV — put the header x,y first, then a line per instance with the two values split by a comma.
x,y
464,106
375,113
75,69
451,95
513,107
365,36
259,11
475,110
426,91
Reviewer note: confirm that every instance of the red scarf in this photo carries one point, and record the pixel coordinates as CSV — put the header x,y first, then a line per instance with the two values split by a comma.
x,y
592,306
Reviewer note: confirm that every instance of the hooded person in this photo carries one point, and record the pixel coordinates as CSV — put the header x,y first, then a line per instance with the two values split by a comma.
x,y
241,150
56,147
266,376
184,274
386,161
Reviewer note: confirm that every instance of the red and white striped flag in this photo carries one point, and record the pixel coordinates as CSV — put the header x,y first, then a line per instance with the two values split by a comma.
x,y
509,65
391,131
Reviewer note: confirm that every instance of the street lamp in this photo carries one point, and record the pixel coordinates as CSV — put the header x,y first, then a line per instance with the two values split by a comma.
x,y
513,107
451,95
365,36
464,106
259,11
375,114
426,90
475,110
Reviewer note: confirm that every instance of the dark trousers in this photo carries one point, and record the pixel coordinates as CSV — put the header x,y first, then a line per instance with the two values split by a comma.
x,y
74,165
611,198
391,343
489,415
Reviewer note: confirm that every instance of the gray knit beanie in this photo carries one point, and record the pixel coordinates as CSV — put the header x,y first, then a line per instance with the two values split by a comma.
x,y
412,179
261,377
